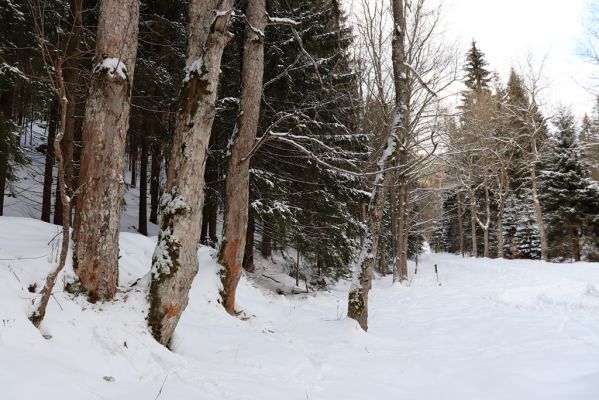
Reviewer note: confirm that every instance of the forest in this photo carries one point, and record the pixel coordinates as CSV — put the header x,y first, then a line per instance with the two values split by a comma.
x,y
297,147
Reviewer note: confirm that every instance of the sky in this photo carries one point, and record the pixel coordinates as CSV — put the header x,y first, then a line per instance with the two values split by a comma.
x,y
508,30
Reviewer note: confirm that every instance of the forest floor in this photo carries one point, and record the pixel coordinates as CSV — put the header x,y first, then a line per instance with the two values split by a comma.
x,y
493,329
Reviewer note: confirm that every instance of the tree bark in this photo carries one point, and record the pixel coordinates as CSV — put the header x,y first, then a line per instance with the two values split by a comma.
x,y
175,263
49,166
97,224
143,188
237,185
155,183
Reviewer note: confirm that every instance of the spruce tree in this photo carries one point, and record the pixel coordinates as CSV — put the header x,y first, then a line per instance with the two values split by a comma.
x,y
569,197
477,75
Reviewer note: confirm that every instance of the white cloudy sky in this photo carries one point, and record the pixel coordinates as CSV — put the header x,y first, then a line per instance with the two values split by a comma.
x,y
508,30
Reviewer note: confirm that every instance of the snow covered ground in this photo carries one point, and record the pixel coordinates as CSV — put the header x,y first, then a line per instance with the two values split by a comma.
x,y
494,329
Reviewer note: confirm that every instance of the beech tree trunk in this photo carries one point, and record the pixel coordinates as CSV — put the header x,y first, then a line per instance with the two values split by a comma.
x,y
143,188
237,185
175,262
49,166
97,223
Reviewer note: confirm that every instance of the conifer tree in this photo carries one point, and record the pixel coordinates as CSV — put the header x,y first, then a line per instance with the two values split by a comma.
x,y
570,198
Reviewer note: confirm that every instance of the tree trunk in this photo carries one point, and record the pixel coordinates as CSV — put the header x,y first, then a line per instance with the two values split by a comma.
x,y
461,225
395,237
48,175
487,224
538,211
473,224
402,227
72,128
576,245
237,185
143,188
212,221
248,254
133,156
175,262
155,183
402,101
6,109
97,225
57,202
3,168
500,240
38,315
357,307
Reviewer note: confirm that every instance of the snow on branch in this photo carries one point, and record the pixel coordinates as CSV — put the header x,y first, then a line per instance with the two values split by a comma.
x,y
420,79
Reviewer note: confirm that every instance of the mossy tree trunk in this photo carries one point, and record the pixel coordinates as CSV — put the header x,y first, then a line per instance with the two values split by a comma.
x,y
237,186
175,262
97,223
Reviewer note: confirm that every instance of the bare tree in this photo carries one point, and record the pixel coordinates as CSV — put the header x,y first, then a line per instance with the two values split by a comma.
x,y
175,263
54,60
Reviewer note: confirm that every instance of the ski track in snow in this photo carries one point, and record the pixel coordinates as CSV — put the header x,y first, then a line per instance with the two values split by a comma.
x,y
494,329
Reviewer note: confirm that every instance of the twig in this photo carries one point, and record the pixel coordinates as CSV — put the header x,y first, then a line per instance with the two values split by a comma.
x,y
161,386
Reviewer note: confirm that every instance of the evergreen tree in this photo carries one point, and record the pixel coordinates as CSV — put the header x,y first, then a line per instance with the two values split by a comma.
x,y
300,203
477,76
570,198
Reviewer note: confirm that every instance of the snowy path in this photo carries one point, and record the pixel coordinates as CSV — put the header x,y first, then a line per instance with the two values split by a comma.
x,y
494,330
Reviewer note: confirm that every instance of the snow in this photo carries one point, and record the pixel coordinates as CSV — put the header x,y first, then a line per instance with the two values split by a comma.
x,y
114,66
194,68
494,329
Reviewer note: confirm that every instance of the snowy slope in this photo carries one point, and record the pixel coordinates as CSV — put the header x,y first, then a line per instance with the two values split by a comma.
x,y
494,329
